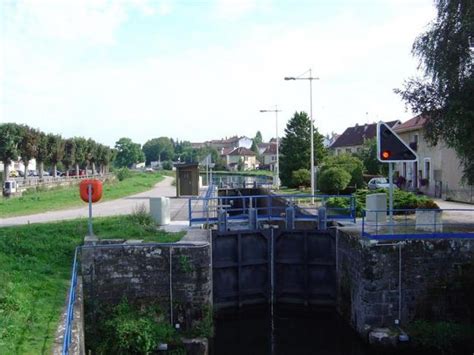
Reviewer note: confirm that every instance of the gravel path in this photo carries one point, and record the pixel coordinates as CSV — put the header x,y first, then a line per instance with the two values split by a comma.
x,y
126,205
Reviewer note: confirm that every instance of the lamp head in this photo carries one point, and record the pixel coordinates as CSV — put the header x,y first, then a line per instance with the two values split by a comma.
x,y
289,78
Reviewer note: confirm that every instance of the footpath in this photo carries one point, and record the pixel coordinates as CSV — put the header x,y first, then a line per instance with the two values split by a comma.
x,y
122,206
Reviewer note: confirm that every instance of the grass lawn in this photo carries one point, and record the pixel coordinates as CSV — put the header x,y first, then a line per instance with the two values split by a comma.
x,y
61,197
35,267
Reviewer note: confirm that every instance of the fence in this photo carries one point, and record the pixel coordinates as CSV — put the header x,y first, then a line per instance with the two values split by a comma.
x,y
418,224
70,305
268,207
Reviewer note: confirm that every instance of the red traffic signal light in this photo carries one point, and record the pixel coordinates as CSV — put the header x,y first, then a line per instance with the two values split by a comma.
x,y
391,148
386,154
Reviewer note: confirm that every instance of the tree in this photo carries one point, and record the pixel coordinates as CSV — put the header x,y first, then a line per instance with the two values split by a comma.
x,y
55,150
128,153
69,154
41,152
301,177
80,152
10,137
444,95
333,180
368,155
349,163
28,146
104,157
91,154
158,149
258,138
295,150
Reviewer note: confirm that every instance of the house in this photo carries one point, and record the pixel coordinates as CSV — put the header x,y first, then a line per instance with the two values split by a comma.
x,y
232,142
270,156
240,155
353,138
438,171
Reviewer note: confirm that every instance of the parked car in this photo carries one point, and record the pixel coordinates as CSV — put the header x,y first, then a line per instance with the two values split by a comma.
x,y
379,183
72,172
13,173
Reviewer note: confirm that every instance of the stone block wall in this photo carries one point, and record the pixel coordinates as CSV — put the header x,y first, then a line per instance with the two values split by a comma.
x,y
433,280
175,276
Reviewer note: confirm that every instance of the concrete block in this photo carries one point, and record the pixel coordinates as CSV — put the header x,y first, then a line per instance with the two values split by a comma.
x,y
429,220
376,202
160,210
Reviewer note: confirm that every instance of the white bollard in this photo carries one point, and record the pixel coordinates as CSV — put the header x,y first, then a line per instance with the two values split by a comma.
x,y
373,203
160,210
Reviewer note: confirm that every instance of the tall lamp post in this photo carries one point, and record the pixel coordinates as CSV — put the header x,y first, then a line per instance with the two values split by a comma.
x,y
277,165
310,78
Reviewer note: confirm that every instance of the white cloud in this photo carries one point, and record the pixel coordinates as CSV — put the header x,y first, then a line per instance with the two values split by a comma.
x,y
234,9
216,91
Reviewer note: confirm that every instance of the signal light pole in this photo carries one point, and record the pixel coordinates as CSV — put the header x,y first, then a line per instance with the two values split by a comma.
x,y
277,165
310,78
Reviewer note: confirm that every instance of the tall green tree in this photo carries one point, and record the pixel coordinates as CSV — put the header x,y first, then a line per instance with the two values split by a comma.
x,y
104,155
10,138
55,151
41,153
91,154
295,150
444,94
80,153
258,138
28,146
158,149
69,154
128,153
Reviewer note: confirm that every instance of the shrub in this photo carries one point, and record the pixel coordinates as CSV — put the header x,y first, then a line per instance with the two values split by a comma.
x,y
333,180
131,330
123,173
167,165
349,163
301,177
141,216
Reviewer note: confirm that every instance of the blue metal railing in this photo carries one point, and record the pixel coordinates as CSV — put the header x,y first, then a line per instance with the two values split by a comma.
x,y
70,305
418,224
268,207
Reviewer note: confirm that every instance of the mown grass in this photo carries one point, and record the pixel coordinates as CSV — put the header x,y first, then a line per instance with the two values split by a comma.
x,y
57,198
35,267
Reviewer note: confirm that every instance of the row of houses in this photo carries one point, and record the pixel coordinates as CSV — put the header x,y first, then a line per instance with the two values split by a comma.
x,y
436,173
236,152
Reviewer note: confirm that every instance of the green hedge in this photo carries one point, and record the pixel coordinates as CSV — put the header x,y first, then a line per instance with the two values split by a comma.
x,y
401,200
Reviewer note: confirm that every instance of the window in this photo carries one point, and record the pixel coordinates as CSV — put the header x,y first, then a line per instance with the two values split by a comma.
x,y
348,150
427,168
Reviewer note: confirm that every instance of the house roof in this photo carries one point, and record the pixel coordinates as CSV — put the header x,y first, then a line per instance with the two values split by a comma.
x,y
356,135
242,151
226,151
271,150
412,124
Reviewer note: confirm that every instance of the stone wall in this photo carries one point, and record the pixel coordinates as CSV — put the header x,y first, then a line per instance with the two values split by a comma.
x,y
140,272
436,281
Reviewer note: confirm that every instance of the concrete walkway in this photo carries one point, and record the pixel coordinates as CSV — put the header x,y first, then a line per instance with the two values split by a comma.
x,y
126,205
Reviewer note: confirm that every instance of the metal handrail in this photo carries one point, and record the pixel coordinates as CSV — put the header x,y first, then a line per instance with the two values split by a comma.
x,y
405,228
70,305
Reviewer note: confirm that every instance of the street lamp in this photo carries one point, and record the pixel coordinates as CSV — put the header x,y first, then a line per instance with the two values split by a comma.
x,y
277,165
310,78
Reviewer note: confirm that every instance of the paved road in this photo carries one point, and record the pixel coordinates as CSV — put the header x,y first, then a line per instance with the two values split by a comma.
x,y
126,205
456,216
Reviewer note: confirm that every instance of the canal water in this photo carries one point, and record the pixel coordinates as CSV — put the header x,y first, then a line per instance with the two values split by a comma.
x,y
291,331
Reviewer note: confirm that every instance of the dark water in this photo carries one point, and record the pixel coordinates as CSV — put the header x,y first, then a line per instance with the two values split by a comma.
x,y
295,331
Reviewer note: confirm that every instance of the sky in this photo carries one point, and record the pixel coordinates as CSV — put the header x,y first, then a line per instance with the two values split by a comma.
x,y
203,69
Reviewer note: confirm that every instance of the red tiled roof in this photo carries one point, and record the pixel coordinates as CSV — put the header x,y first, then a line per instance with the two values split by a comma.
x,y
412,124
226,151
242,151
271,150
356,135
